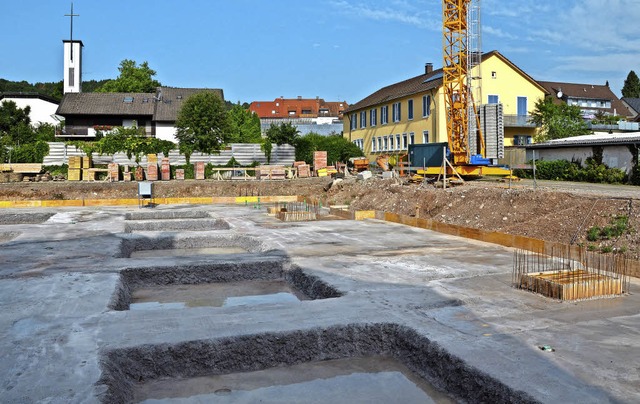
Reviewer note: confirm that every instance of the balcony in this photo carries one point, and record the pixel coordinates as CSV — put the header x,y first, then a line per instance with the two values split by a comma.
x,y
518,121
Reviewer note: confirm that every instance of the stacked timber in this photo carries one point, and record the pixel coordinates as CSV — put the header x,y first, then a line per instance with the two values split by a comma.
x,y
75,168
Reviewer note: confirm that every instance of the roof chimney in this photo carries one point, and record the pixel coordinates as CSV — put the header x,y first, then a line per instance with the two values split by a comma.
x,y
428,68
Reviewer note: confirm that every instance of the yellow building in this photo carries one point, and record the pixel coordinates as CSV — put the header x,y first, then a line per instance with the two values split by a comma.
x,y
412,111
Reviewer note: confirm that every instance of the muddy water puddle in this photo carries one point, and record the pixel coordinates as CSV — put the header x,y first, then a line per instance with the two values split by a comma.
x,y
187,252
243,293
375,379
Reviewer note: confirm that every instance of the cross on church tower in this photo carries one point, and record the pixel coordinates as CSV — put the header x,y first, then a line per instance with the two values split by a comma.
x,y
71,34
72,49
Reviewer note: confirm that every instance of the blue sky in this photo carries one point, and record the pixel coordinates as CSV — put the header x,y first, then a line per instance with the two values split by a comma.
x,y
334,49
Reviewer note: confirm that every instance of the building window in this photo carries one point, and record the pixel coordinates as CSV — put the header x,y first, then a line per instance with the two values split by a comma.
x,y
390,142
494,75
373,144
373,117
521,140
379,143
354,122
72,76
363,119
384,115
522,106
404,141
411,138
396,113
385,143
426,106
493,99
398,142
425,136
410,109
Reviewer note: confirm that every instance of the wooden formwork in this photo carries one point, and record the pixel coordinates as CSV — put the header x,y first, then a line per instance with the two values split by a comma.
x,y
300,216
571,284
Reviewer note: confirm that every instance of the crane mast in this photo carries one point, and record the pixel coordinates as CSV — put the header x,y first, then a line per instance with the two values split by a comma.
x,y
461,68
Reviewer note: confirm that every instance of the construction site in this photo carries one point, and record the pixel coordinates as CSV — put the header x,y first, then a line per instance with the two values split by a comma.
x,y
247,298
360,289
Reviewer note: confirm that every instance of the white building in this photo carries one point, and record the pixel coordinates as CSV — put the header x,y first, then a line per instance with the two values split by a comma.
x,y
43,108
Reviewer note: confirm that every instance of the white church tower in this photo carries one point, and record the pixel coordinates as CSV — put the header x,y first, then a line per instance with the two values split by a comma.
x,y
72,61
72,66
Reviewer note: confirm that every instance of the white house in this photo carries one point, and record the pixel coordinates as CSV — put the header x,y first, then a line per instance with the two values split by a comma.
x,y
43,108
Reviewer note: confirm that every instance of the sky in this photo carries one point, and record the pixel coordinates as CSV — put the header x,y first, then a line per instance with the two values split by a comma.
x,y
339,50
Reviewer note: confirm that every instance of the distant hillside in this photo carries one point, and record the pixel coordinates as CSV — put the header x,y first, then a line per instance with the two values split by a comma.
x,y
51,89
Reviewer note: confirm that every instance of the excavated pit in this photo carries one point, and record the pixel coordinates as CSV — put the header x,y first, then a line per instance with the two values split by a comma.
x,y
24,218
217,285
164,245
357,362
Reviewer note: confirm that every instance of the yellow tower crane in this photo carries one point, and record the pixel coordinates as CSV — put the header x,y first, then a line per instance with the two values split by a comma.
x,y
461,67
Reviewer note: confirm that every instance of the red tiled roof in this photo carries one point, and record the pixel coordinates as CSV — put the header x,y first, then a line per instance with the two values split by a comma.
x,y
585,91
298,108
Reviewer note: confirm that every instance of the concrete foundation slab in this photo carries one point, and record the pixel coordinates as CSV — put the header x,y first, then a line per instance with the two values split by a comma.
x,y
441,305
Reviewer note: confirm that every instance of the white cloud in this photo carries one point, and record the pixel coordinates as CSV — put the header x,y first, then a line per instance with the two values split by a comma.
x,y
496,32
594,25
399,11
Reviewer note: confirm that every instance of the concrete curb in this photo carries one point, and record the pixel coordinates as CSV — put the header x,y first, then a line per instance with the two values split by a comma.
x,y
160,201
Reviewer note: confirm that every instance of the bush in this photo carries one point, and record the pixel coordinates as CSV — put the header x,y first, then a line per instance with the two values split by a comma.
x,y
337,147
57,170
30,152
593,234
563,170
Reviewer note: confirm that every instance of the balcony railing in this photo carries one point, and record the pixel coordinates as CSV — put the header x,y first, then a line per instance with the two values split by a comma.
x,y
518,121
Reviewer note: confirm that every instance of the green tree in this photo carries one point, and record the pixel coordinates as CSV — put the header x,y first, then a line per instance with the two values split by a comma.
x,y
15,129
132,79
284,133
12,116
132,141
337,147
631,88
202,124
244,125
557,121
